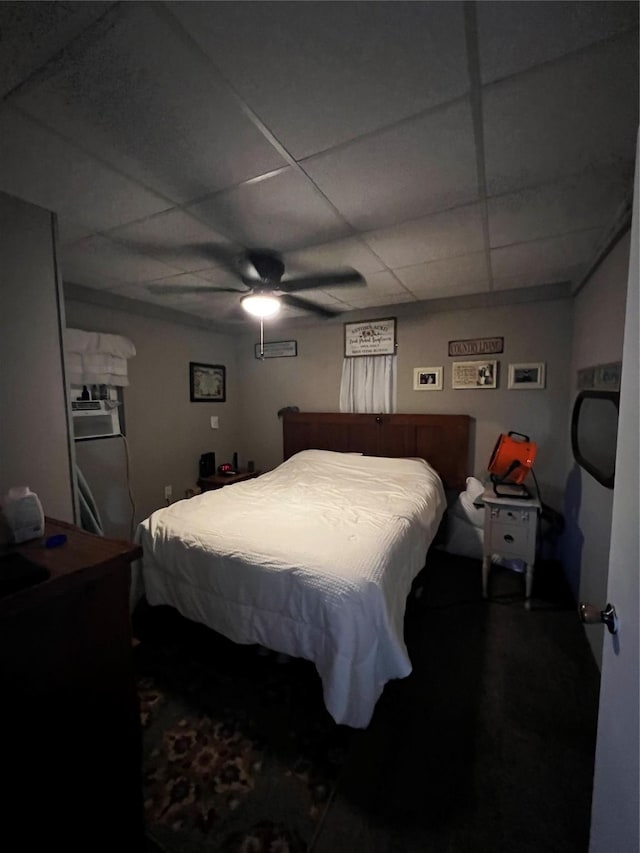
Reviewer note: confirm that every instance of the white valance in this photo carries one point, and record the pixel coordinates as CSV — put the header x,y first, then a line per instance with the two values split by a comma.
x,y
96,358
368,384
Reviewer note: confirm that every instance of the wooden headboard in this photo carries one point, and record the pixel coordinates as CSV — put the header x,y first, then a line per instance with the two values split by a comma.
x,y
443,440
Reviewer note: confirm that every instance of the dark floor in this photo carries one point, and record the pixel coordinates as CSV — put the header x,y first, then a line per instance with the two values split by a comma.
x,y
488,746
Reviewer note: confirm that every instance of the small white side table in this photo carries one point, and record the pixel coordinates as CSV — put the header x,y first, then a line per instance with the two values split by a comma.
x,y
510,528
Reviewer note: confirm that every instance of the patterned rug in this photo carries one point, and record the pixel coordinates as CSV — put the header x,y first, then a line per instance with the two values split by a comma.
x,y
240,755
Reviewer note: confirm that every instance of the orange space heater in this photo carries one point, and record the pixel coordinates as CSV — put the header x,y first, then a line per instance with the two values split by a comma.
x,y
510,462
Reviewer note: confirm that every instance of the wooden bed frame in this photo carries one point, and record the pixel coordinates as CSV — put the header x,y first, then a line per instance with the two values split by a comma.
x,y
443,440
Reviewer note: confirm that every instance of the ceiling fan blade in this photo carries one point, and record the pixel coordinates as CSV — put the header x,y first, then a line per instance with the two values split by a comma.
x,y
308,282
168,289
321,310
221,256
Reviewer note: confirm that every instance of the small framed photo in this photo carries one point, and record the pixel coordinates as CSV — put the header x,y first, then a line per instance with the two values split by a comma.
x,y
207,383
474,374
427,379
526,375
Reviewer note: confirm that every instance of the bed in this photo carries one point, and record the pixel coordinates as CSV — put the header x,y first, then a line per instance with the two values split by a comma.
x,y
316,558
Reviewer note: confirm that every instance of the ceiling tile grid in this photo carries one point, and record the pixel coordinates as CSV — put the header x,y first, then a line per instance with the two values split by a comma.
x,y
379,283
98,255
351,252
584,201
175,238
448,277
32,33
38,166
137,98
453,232
320,74
421,166
544,261
282,212
543,31
374,300
563,118
168,138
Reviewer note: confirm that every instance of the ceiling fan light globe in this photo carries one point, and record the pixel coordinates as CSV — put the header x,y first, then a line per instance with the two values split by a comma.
x,y
261,304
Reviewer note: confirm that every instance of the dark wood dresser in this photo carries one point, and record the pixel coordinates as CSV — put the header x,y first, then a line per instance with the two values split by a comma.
x,y
69,717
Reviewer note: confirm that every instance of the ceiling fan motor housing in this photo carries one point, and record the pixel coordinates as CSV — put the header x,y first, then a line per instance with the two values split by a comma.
x,y
269,267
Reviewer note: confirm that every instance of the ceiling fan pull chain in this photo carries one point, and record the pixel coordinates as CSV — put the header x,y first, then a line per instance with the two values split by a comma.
x,y
261,338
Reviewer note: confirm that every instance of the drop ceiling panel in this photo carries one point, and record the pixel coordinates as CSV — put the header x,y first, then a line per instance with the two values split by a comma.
x,y
185,280
523,278
284,57
564,118
419,167
211,305
182,301
96,258
38,166
320,298
515,36
70,231
579,203
31,33
339,254
287,311
133,94
544,261
96,280
221,277
377,284
176,239
443,235
377,300
449,277
282,212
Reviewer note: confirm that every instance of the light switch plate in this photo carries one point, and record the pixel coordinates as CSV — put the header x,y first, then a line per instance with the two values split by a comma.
x,y
214,422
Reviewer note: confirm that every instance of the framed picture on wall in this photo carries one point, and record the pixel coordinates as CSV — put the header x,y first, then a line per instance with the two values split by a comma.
x,y
427,379
530,375
207,383
474,374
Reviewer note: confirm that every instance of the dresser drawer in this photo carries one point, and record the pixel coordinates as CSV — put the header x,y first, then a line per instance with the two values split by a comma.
x,y
512,539
510,515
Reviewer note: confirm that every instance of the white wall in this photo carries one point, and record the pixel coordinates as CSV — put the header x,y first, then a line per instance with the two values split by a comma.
x,y
598,329
34,446
165,431
539,331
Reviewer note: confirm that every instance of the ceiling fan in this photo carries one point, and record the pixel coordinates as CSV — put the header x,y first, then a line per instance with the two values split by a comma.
x,y
261,271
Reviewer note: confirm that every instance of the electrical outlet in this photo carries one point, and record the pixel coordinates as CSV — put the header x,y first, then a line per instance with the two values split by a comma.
x,y
214,422
168,493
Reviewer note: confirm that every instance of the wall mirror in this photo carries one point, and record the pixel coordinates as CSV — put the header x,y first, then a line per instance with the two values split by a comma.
x,y
594,433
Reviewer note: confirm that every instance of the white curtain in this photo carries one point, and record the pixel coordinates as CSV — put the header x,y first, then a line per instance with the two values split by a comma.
x,y
95,358
368,384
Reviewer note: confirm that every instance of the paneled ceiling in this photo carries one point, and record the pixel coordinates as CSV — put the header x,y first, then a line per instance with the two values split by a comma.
x,y
439,148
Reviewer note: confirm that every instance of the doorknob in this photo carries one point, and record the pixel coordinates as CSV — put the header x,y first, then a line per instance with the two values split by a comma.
x,y
590,615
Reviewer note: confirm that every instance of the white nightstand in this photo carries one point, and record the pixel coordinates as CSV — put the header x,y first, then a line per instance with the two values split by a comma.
x,y
510,529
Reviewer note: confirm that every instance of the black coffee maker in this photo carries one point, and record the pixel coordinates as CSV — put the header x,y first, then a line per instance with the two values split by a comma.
x,y
207,467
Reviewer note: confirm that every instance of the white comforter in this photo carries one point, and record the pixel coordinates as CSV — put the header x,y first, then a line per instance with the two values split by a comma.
x,y
314,559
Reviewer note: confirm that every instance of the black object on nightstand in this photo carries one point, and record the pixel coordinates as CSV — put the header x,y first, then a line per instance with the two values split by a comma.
x,y
207,465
